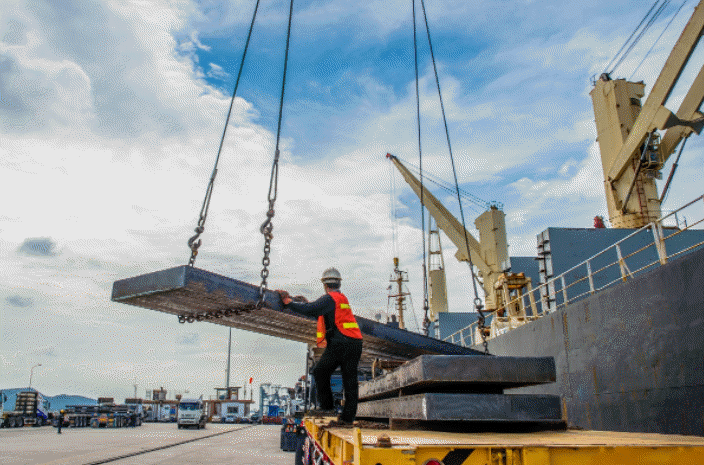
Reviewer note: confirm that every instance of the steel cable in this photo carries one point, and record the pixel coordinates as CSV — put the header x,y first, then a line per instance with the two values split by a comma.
x,y
267,227
645,29
606,68
657,40
477,301
194,242
426,304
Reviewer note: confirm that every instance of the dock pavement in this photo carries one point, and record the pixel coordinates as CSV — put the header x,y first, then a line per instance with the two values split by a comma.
x,y
215,445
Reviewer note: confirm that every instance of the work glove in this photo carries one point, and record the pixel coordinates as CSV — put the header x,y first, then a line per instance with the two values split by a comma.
x,y
284,295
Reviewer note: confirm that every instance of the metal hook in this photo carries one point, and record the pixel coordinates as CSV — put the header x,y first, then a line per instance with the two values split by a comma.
x,y
192,244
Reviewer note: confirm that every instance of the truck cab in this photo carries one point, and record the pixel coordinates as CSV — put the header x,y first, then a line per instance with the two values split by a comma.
x,y
191,413
232,412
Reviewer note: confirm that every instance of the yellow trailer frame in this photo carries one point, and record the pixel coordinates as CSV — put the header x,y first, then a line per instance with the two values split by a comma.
x,y
367,446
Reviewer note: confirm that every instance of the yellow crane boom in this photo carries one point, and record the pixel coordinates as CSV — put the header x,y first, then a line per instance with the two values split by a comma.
x,y
631,151
489,254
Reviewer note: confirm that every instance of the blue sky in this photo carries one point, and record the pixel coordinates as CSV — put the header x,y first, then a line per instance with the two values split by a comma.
x,y
110,118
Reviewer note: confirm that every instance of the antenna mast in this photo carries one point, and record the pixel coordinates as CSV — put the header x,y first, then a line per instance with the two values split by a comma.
x,y
398,278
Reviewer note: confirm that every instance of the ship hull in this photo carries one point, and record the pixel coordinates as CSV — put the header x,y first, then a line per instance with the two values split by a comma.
x,y
630,358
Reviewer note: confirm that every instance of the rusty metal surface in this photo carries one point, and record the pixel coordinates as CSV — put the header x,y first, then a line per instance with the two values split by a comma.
x,y
457,373
466,407
188,291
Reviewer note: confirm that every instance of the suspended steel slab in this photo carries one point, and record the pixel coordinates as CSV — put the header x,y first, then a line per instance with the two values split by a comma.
x,y
194,294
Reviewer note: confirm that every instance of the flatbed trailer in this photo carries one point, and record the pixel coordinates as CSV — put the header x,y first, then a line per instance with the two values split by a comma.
x,y
378,446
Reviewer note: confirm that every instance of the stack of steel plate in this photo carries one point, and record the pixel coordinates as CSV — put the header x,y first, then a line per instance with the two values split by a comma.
x,y
460,389
193,295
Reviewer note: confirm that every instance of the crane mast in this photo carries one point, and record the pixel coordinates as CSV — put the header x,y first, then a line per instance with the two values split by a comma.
x,y
436,276
397,279
489,254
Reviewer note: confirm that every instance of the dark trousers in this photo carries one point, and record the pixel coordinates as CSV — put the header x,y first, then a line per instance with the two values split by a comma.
x,y
343,352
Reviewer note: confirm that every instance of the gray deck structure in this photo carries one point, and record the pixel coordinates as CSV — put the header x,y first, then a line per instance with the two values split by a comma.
x,y
629,358
194,294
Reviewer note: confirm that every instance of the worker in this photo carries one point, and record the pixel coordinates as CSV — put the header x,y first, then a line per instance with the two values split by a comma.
x,y
61,421
339,333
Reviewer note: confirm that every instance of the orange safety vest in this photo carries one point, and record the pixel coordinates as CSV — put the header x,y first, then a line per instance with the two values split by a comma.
x,y
344,320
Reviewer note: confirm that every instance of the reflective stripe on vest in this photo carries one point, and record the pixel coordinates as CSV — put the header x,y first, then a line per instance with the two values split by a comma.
x,y
320,333
344,318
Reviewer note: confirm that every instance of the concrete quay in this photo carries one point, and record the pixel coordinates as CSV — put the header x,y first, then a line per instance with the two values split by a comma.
x,y
215,445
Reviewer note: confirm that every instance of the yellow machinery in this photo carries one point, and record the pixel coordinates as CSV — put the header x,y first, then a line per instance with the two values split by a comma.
x,y
489,254
632,151
361,446
436,276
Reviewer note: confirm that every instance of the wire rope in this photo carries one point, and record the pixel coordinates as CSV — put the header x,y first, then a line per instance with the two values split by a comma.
x,y
394,213
267,227
657,40
672,171
420,158
645,29
452,189
477,301
606,68
195,242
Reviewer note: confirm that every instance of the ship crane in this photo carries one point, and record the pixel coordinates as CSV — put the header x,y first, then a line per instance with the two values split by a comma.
x,y
632,151
436,276
489,254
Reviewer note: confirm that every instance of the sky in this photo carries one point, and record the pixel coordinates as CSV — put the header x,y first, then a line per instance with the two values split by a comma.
x,y
111,113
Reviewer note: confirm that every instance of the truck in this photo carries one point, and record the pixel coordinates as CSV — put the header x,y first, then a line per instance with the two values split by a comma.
x,y
232,412
445,409
191,413
30,409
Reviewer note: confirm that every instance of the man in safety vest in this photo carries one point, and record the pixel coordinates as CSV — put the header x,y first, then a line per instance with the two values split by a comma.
x,y
339,333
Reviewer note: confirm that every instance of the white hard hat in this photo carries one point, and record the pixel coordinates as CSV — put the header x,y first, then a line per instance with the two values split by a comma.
x,y
331,275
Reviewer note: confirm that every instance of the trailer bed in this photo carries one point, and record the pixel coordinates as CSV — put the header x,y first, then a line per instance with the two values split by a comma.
x,y
361,446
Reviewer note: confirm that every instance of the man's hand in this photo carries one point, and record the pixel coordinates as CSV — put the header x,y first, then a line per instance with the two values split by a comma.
x,y
285,297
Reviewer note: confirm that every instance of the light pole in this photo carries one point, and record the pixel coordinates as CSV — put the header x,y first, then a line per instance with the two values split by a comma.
x,y
31,373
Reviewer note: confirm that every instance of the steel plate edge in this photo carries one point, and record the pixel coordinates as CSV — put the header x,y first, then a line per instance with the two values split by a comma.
x,y
150,283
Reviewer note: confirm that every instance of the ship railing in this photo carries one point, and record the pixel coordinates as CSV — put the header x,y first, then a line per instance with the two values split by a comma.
x,y
639,251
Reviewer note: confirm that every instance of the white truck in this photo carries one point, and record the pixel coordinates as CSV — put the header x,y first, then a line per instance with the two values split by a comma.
x,y
191,413
232,412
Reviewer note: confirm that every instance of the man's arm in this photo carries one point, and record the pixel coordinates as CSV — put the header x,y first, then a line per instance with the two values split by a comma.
x,y
313,309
